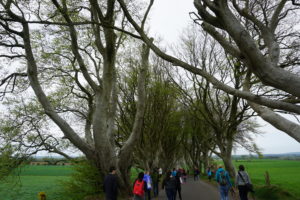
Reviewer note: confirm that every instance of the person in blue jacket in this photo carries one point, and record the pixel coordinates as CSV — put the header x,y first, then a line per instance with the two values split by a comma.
x,y
209,173
148,181
223,179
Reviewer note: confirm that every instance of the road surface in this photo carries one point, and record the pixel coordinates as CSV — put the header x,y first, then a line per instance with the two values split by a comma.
x,y
195,190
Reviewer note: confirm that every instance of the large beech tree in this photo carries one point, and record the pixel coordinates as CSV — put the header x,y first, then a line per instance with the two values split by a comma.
x,y
218,115
72,47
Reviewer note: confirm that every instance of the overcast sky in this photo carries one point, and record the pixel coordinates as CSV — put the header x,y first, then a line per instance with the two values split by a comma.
x,y
168,18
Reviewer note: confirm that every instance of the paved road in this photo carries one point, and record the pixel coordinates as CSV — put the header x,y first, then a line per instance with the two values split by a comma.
x,y
195,190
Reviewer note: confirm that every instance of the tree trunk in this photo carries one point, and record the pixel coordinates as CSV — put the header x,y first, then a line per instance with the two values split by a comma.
x,y
125,183
205,160
228,163
200,166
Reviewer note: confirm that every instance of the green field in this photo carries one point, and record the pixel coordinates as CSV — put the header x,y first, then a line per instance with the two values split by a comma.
x,y
284,173
35,179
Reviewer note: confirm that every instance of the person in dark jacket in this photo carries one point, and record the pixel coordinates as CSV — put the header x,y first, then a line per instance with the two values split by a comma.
x,y
169,184
196,174
155,181
110,185
178,185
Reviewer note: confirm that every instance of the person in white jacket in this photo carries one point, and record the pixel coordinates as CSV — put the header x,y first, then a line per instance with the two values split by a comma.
x,y
241,181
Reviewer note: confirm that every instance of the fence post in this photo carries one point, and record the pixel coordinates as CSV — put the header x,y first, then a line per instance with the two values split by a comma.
x,y
42,196
267,178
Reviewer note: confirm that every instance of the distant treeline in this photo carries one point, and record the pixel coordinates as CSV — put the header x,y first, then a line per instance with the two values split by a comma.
x,y
52,160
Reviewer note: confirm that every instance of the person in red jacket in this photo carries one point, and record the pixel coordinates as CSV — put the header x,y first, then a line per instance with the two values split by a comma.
x,y
139,187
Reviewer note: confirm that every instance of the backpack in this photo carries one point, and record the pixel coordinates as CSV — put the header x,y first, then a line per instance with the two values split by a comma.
x,y
223,179
138,188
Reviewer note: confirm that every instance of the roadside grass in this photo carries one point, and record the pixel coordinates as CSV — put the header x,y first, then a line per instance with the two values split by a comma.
x,y
134,174
283,173
273,193
35,179
30,180
284,178
30,186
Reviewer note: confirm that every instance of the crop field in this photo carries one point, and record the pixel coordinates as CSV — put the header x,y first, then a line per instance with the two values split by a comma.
x,y
284,173
34,179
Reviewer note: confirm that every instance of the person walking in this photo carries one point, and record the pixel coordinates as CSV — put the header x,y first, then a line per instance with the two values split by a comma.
x,y
160,172
169,184
139,187
223,179
209,174
110,185
196,174
242,180
184,175
174,172
155,181
148,182
178,185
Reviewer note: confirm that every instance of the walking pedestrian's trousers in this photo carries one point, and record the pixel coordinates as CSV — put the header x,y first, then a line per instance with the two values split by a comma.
x,y
137,197
170,194
243,192
224,190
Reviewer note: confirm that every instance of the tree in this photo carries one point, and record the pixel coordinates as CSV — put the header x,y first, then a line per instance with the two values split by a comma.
x,y
197,141
9,162
257,48
161,118
220,114
74,49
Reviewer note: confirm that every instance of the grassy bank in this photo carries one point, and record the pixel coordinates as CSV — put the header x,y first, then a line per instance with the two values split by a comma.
x,y
35,179
283,173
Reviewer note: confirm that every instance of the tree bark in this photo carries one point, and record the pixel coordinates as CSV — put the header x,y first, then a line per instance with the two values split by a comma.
x,y
229,166
125,157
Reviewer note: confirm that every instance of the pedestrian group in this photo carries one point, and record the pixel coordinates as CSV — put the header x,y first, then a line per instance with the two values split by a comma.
x,y
146,185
